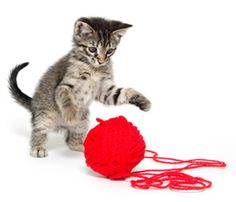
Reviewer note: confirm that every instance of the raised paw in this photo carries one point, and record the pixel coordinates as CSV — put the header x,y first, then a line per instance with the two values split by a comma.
x,y
140,101
38,152
70,114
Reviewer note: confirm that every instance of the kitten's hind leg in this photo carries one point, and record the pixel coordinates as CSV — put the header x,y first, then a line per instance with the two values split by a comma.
x,y
74,140
42,123
76,134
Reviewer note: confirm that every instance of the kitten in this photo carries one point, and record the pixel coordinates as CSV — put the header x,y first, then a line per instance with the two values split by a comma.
x,y
66,90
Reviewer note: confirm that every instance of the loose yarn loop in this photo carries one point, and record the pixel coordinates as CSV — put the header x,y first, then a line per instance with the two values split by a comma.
x,y
115,146
173,178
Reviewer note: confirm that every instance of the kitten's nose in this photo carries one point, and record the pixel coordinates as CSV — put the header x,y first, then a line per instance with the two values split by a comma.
x,y
100,62
101,59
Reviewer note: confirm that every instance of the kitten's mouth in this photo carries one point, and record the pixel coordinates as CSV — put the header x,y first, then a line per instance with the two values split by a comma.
x,y
98,64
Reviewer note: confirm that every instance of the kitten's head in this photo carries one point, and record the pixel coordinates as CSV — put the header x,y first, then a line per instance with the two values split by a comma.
x,y
97,38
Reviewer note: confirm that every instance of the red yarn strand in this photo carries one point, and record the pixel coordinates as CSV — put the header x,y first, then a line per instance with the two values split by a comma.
x,y
115,146
173,178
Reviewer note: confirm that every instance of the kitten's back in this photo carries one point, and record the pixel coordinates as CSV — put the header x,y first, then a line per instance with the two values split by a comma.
x,y
44,94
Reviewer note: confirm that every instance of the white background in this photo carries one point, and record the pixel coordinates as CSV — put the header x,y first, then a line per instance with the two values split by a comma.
x,y
180,54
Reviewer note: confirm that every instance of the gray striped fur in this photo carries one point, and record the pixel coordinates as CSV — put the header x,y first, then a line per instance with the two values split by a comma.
x,y
66,90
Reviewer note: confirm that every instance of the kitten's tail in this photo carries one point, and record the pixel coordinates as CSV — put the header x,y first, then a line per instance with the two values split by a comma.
x,y
16,93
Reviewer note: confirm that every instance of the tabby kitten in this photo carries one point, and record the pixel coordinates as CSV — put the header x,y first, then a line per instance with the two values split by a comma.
x,y
66,90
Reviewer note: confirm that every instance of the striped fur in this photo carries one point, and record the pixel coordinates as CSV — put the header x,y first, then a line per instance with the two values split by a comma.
x,y
65,92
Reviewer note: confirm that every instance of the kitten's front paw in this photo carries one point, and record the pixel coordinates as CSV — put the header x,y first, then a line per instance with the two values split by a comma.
x,y
38,152
140,101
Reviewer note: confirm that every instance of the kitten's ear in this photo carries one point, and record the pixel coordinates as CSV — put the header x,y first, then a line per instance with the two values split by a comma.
x,y
120,32
83,30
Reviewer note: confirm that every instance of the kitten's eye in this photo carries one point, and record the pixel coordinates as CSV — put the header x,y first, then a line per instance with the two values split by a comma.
x,y
110,51
92,49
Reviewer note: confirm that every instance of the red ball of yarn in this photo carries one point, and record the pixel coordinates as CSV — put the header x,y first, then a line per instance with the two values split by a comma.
x,y
114,147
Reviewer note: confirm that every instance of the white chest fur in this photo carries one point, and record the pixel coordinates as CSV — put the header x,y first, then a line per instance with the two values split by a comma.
x,y
86,82
86,88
